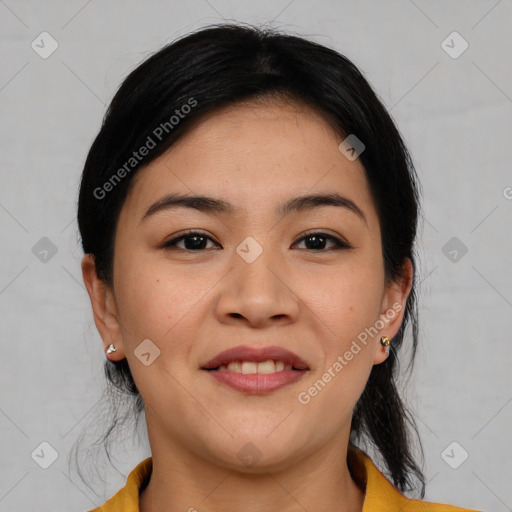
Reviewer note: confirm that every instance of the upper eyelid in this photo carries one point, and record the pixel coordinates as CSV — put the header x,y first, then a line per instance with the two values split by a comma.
x,y
320,231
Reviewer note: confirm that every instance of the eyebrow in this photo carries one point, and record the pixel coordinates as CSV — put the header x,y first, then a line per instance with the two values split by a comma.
x,y
213,205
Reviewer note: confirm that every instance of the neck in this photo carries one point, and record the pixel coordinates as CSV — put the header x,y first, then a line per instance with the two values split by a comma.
x,y
181,481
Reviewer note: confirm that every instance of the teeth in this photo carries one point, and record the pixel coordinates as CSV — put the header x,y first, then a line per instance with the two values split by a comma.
x,y
233,367
250,367
267,367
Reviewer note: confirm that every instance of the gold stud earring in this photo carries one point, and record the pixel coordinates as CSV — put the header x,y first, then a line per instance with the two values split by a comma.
x,y
385,341
111,349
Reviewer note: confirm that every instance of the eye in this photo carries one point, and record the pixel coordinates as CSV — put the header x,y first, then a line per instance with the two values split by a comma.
x,y
192,241
317,241
198,241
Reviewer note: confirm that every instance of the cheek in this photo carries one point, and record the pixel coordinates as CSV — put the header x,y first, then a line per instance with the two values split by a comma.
x,y
161,306
153,299
345,300
349,304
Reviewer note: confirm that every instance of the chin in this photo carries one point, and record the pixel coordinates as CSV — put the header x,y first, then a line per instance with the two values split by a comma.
x,y
254,454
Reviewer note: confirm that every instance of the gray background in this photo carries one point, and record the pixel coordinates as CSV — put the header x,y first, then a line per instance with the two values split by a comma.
x,y
453,112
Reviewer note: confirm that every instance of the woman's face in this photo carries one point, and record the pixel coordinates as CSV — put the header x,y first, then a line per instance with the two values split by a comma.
x,y
255,277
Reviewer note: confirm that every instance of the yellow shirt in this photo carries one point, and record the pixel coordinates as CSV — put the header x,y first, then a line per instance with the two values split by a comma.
x,y
380,495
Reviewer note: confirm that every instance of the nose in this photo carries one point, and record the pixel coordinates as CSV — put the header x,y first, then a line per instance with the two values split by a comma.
x,y
257,294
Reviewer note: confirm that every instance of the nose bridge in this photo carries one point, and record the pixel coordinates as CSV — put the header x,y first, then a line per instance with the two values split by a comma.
x,y
255,288
256,282
256,278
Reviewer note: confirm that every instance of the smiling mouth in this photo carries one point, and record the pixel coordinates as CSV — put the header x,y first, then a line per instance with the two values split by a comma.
x,y
256,370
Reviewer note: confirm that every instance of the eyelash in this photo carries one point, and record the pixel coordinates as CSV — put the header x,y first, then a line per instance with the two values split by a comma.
x,y
339,244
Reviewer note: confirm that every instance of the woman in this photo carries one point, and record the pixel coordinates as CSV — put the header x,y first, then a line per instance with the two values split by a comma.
x,y
248,214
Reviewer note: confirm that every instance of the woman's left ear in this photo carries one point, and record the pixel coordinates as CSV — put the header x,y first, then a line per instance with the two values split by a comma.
x,y
393,306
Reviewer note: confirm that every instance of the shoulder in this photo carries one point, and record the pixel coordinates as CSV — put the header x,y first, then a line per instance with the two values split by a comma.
x,y
382,496
127,498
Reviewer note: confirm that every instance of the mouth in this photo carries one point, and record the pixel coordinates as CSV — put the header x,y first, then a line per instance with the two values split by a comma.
x,y
256,370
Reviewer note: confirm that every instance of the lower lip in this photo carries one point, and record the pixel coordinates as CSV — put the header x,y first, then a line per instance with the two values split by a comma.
x,y
257,383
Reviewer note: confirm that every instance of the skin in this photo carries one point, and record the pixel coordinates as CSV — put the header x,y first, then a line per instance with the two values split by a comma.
x,y
195,304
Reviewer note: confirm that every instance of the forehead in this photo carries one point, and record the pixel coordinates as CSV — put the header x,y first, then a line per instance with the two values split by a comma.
x,y
254,155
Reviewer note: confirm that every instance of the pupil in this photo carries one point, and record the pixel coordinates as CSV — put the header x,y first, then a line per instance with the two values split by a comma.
x,y
318,241
198,242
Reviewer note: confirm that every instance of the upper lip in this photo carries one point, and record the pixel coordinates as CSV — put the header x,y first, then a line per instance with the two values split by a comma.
x,y
256,354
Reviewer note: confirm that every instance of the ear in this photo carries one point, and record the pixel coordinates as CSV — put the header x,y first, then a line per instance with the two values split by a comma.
x,y
393,305
104,308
